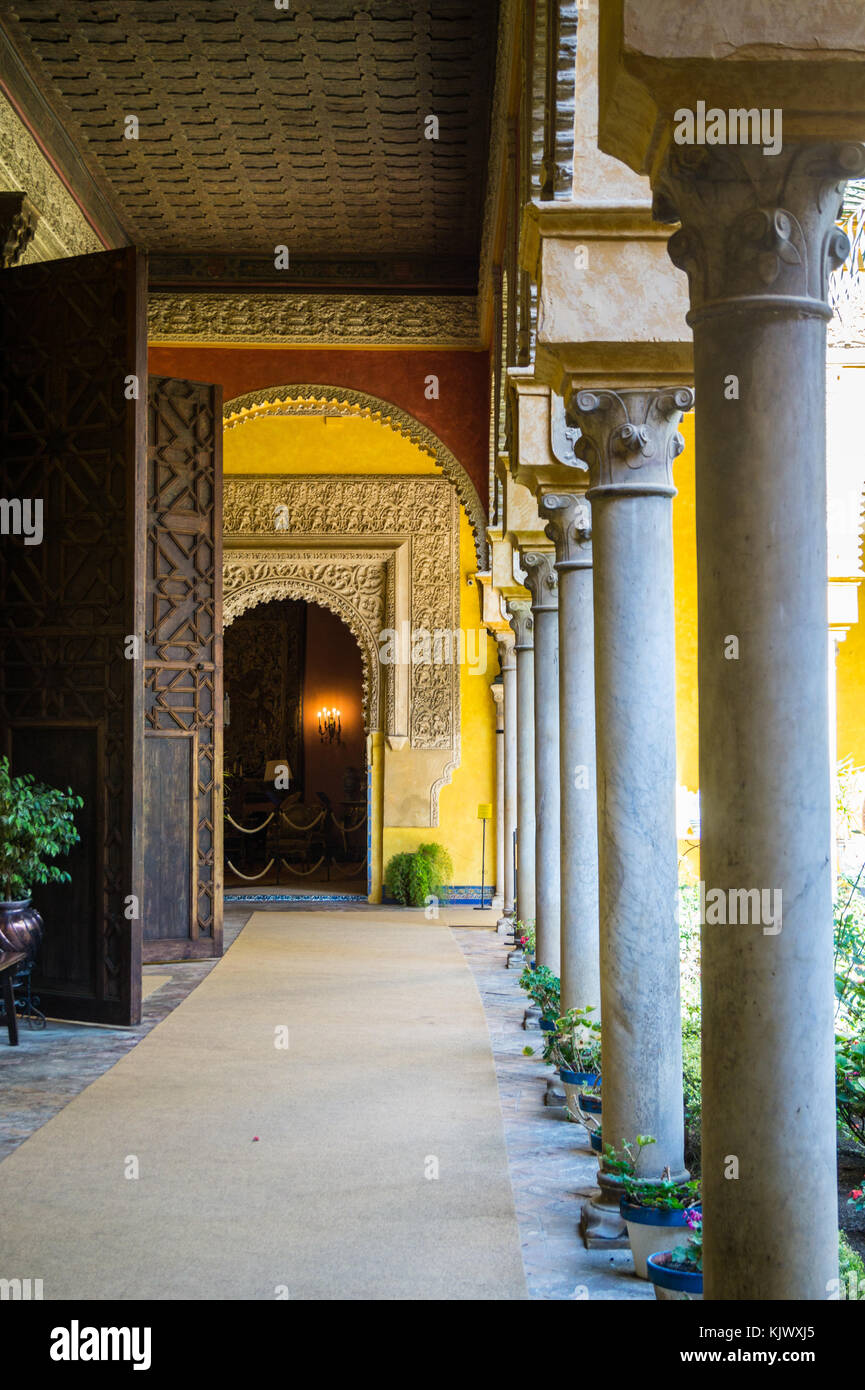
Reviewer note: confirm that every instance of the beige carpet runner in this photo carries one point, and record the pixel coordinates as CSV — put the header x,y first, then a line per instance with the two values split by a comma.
x,y
319,1119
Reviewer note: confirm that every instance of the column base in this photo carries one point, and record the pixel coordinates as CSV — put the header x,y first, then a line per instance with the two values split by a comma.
x,y
532,1019
602,1226
516,960
498,901
505,925
554,1094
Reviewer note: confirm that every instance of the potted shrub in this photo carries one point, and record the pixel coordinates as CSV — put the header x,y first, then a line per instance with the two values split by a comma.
x,y
36,824
544,989
412,879
677,1274
651,1207
576,1051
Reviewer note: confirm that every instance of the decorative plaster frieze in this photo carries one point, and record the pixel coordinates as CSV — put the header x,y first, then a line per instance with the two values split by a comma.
x,y
345,320
62,230
333,401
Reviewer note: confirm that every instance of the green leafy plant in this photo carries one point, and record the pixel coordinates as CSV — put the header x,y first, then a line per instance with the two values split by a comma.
x,y
414,878
36,824
690,1255
851,1270
576,1043
543,988
524,932
692,1090
660,1194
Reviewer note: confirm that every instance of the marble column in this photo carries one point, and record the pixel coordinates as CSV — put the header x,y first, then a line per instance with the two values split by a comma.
x,y
629,440
508,663
497,690
542,583
522,624
758,239
569,527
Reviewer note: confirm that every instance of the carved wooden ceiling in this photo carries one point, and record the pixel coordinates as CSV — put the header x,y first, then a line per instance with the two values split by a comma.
x,y
260,126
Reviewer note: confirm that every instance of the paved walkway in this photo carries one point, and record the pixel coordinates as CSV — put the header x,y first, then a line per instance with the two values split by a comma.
x,y
552,1166
365,1159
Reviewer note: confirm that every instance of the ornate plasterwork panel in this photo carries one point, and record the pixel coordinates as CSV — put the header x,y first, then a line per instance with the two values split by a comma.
x,y
420,513
62,230
352,584
322,400
287,318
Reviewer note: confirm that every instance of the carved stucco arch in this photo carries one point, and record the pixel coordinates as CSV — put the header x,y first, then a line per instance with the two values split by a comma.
x,y
338,401
266,590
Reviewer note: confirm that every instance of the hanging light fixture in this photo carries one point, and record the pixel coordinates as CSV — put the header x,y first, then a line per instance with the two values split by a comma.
x,y
329,726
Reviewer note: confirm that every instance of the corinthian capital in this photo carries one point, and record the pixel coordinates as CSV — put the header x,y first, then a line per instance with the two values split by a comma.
x,y
757,227
630,438
541,579
569,526
521,621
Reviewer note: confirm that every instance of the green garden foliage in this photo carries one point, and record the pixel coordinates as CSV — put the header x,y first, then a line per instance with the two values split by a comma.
x,y
850,1012
851,1270
412,879
36,824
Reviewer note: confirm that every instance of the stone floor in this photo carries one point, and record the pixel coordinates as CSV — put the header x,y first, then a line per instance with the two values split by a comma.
x,y
552,1165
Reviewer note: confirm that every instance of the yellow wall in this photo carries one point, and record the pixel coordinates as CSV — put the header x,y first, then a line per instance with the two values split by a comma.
x,y
298,444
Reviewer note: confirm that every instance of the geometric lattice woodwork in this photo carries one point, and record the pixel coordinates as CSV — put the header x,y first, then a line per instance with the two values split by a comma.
x,y
183,671
71,333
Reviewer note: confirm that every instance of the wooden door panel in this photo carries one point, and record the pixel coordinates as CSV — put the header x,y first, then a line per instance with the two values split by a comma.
x,y
72,334
183,673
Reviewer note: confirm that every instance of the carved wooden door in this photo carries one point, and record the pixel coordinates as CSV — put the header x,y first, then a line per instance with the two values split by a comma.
x,y
182,907
72,437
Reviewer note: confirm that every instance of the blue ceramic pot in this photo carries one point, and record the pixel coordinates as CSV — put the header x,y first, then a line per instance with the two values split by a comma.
x,y
588,1079
548,1025
681,1282
595,1141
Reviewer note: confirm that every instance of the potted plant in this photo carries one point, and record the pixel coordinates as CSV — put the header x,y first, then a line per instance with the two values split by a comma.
x,y
412,879
650,1206
544,989
677,1274
36,824
576,1051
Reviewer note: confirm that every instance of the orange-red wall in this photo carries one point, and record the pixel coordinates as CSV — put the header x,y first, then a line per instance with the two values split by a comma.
x,y
460,416
333,676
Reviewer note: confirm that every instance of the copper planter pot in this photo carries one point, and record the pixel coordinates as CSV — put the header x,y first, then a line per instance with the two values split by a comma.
x,y
21,928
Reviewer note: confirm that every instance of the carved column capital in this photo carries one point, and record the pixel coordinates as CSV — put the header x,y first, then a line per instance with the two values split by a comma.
x,y
18,219
522,623
569,527
498,693
542,581
630,438
505,642
757,230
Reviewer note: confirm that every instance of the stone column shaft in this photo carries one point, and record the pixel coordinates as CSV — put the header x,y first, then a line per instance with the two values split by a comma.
x,y
509,680
757,238
542,583
629,441
521,622
569,527
497,691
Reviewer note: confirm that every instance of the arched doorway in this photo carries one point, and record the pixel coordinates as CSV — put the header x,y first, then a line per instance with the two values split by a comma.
x,y
295,773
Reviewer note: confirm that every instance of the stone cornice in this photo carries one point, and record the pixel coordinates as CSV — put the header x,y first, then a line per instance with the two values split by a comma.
x,y
284,320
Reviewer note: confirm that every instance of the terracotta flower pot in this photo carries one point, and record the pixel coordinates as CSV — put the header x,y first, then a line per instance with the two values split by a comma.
x,y
21,928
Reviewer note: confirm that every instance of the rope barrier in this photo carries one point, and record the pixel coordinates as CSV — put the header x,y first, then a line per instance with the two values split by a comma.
x,y
255,829
303,873
250,878
309,826
347,829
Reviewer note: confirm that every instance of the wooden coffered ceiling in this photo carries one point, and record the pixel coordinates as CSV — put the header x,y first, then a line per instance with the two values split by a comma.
x,y
260,127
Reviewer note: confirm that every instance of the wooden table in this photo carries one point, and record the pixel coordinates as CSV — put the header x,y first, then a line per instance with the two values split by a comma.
x,y
9,963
